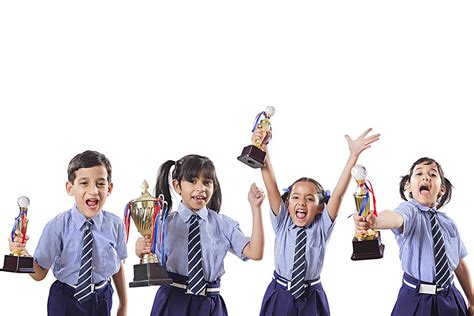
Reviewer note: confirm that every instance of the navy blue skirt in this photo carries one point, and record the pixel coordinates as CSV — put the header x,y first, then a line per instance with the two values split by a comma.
x,y
410,302
173,301
278,301
61,301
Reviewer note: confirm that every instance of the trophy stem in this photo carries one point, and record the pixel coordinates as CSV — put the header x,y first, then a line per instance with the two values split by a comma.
x,y
148,258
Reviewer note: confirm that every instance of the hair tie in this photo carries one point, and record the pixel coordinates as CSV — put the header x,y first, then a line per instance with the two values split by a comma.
x,y
287,190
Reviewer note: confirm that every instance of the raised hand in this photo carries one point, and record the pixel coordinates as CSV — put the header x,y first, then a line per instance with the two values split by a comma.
x,y
361,143
256,195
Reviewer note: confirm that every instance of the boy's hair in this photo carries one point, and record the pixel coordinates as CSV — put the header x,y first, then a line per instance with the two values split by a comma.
x,y
88,159
188,168
322,197
445,198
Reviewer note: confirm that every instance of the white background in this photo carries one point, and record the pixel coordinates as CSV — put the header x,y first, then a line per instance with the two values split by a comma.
x,y
145,82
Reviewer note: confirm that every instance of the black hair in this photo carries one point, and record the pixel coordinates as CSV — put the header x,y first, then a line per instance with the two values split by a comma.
x,y
445,198
188,168
88,159
321,193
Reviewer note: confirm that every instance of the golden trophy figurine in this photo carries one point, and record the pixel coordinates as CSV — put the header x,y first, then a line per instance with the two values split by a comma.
x,y
253,155
366,245
19,261
146,212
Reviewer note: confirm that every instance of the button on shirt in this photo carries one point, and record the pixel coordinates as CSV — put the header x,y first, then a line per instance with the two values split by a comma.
x,y
60,245
317,234
416,242
219,234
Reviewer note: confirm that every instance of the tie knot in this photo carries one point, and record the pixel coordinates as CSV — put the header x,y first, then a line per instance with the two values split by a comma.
x,y
194,218
89,223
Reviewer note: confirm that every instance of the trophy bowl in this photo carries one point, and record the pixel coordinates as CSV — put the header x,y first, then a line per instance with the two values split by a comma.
x,y
146,212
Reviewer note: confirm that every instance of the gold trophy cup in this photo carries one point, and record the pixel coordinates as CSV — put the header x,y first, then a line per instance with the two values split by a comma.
x,y
146,212
18,261
253,155
365,245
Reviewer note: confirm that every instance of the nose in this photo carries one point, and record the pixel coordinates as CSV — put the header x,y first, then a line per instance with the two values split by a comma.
x,y
92,189
425,177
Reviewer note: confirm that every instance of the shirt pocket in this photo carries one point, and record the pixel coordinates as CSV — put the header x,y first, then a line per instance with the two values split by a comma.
x,y
313,260
111,263
451,245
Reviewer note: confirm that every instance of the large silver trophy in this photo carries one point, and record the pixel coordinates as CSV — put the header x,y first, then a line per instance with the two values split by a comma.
x,y
253,155
366,245
18,261
147,213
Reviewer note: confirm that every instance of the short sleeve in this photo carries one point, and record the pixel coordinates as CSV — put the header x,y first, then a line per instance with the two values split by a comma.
x,y
49,245
327,223
405,209
121,243
236,237
280,219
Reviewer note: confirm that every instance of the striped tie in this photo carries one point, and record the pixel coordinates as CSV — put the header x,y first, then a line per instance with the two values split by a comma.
x,y
84,289
196,283
443,275
297,285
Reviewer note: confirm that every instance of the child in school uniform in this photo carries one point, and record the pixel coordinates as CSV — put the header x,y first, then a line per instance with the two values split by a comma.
x,y
431,250
84,245
303,219
197,267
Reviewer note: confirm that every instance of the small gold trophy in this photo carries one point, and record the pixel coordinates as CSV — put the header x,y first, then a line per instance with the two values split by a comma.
x,y
146,212
18,261
253,155
365,245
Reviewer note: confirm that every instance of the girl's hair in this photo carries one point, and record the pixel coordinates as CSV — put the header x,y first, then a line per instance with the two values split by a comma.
x,y
445,198
322,196
188,168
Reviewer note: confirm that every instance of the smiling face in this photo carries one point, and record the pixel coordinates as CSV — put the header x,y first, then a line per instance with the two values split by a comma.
x,y
195,193
90,189
303,203
425,184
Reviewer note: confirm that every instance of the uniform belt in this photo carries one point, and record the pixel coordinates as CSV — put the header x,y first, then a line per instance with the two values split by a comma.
x,y
94,286
210,290
424,288
287,284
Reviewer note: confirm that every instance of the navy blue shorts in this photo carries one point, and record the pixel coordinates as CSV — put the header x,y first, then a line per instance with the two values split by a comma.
x,y
173,301
61,301
410,302
278,301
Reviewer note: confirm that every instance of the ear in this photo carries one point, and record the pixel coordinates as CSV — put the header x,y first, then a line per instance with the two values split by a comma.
x,y
109,188
70,188
407,187
176,186
442,190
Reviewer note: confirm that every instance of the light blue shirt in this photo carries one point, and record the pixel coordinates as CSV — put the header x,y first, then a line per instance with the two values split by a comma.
x,y
219,234
60,245
317,236
416,242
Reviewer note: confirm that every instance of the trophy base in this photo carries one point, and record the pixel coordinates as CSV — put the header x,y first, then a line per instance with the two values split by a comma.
x,y
147,274
18,264
367,249
252,156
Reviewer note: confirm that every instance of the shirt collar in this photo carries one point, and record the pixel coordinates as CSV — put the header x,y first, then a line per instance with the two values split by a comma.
x,y
79,219
422,207
185,213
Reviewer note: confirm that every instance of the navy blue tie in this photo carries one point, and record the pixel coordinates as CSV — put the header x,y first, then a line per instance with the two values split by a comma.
x,y
443,275
84,288
196,283
297,286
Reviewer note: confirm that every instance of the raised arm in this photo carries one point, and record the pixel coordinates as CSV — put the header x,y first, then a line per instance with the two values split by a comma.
x,y
254,249
385,220
268,176
356,146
